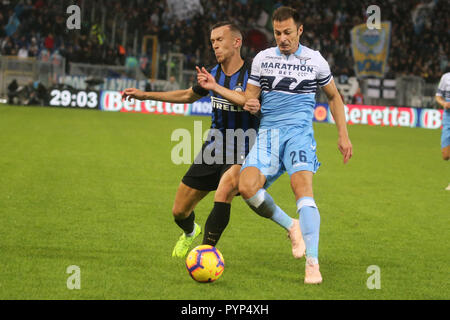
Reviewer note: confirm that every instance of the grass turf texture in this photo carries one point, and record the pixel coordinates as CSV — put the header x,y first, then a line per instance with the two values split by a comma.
x,y
95,189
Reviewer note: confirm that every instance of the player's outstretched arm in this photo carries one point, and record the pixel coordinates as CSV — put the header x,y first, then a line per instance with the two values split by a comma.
x,y
337,110
176,96
207,81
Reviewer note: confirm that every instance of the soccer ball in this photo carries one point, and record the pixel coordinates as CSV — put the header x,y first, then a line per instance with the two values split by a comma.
x,y
205,263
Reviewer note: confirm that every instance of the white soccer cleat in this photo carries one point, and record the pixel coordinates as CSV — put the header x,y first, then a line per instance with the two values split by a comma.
x,y
298,245
448,187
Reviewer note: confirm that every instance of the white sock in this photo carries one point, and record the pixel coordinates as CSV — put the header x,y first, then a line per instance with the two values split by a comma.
x,y
192,233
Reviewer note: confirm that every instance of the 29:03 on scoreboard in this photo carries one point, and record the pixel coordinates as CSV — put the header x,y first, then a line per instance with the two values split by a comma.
x,y
74,98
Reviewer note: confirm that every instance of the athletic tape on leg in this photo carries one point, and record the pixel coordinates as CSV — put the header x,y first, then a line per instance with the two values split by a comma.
x,y
262,203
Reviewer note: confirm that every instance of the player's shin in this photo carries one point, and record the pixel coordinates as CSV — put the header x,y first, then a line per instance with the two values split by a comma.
x,y
310,225
262,203
216,223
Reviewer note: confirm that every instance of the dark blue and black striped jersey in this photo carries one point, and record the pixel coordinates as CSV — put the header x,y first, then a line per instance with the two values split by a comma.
x,y
227,116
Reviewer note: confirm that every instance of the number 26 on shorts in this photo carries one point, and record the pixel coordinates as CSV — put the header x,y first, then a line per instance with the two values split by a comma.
x,y
301,156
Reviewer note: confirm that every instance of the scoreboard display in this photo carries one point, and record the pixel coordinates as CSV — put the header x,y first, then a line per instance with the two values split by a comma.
x,y
74,99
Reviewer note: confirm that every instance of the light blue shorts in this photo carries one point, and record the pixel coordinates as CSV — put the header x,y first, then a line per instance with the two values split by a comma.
x,y
290,149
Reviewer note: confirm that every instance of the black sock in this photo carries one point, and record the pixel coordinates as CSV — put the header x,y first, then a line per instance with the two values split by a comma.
x,y
187,224
217,222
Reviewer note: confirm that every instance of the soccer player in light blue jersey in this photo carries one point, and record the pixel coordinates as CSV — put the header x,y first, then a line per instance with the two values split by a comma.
x,y
443,98
286,78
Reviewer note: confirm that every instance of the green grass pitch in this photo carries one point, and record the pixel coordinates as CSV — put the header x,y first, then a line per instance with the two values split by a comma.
x,y
95,189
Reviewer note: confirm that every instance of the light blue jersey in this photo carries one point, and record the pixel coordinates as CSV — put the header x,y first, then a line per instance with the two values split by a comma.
x,y
285,140
444,92
288,85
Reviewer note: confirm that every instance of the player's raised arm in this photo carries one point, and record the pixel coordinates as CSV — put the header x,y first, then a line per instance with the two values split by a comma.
x,y
207,81
176,96
337,110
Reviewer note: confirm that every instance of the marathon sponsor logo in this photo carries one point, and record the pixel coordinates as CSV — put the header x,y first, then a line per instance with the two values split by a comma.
x,y
112,101
286,66
379,116
225,105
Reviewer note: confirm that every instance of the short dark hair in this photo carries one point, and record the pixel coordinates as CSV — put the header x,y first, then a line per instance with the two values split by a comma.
x,y
233,27
284,13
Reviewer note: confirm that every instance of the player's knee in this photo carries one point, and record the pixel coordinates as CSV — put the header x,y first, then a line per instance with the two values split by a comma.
x,y
250,181
446,153
227,189
179,212
226,194
233,188
301,184
247,189
302,190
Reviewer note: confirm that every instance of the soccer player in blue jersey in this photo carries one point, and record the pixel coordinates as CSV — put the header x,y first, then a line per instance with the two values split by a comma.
x,y
205,175
443,98
285,78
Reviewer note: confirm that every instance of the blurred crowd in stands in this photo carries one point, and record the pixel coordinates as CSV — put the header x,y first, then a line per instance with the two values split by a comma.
x,y
37,28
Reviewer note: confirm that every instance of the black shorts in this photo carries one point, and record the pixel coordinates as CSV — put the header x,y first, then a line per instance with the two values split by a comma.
x,y
203,176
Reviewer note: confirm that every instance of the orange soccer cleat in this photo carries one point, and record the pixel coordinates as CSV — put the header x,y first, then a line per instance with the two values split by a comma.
x,y
298,245
312,273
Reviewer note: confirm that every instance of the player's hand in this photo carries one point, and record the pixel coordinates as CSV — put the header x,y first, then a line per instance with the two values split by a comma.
x,y
447,105
133,93
205,79
252,105
346,148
